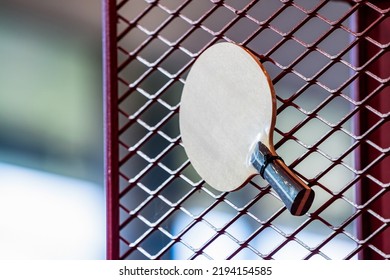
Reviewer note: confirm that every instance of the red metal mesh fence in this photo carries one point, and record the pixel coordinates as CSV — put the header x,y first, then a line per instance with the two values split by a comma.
x,y
329,63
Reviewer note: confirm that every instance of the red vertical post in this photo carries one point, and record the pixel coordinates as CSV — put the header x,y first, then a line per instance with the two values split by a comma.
x,y
369,188
111,127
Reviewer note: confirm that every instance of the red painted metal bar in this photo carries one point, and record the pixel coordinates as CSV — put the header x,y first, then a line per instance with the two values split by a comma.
x,y
376,215
111,126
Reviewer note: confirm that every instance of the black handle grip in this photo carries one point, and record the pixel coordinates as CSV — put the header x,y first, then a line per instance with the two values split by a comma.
x,y
295,194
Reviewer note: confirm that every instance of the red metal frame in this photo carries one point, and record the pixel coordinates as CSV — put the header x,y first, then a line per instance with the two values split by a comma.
x,y
370,80
111,126
374,225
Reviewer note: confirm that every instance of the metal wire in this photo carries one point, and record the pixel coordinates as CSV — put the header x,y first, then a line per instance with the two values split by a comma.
x,y
329,65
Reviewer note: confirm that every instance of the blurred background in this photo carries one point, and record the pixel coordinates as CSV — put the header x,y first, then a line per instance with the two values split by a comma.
x,y
51,130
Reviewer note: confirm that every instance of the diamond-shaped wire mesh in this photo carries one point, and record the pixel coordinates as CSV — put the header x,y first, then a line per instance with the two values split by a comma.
x,y
329,63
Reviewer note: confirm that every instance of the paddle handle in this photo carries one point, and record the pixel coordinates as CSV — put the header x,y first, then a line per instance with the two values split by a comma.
x,y
294,193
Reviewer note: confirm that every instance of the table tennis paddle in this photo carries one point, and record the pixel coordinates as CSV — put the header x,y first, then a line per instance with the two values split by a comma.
x,y
227,118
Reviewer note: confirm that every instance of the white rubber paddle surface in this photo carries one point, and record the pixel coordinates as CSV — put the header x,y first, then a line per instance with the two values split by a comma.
x,y
227,107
